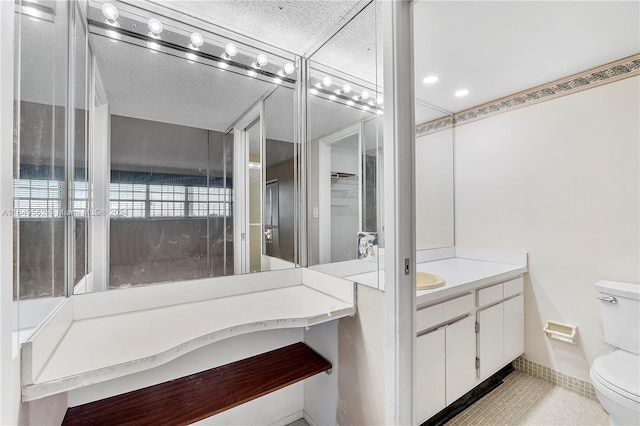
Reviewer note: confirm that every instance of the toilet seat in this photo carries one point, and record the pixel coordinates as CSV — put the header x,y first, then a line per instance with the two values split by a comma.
x,y
619,371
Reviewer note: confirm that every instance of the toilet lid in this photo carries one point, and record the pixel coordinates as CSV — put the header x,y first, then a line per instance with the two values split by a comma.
x,y
620,370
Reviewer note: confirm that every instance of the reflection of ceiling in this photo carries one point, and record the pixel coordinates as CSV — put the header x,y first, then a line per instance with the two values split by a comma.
x,y
279,112
496,48
327,117
144,84
291,25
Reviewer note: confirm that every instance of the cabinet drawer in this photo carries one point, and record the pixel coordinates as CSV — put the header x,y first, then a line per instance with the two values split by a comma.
x,y
513,287
428,317
490,295
457,307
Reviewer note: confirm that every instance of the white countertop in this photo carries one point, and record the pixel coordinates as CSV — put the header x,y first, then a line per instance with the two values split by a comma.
x,y
460,275
105,347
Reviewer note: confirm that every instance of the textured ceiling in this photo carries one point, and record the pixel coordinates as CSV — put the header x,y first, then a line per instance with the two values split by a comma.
x,y
293,25
494,49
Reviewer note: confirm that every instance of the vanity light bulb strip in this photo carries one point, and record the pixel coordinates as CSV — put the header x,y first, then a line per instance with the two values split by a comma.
x,y
340,96
192,52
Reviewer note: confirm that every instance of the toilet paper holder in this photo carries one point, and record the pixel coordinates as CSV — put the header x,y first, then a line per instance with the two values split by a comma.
x,y
559,331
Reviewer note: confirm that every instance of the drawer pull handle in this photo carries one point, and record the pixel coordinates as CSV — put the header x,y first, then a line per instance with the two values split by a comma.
x,y
609,299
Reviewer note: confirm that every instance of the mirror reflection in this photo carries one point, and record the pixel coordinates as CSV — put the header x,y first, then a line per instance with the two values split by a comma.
x,y
201,148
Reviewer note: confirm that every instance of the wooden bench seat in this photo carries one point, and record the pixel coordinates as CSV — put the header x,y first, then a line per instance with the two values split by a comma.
x,y
198,396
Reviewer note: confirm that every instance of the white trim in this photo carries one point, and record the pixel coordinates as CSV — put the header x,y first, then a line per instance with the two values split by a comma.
x,y
240,182
100,176
8,398
324,186
399,161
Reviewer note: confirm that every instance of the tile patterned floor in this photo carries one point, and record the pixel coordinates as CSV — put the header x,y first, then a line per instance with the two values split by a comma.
x,y
525,400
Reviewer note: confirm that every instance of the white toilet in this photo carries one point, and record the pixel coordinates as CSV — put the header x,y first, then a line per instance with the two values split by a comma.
x,y
616,376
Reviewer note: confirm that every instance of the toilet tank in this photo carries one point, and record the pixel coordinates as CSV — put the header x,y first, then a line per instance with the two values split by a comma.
x,y
621,318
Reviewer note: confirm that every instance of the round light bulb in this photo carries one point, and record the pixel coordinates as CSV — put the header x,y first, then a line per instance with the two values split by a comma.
x,y
155,26
327,81
346,89
430,79
289,68
197,40
462,92
364,94
262,60
110,11
380,100
231,49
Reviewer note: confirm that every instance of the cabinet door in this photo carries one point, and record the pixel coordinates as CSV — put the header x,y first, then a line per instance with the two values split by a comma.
x,y
430,370
460,358
513,328
490,340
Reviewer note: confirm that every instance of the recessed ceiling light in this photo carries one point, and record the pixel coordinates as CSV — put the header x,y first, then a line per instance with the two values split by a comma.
x,y
430,79
462,92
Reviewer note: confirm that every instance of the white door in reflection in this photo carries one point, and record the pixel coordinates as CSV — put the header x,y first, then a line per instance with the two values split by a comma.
x,y
340,195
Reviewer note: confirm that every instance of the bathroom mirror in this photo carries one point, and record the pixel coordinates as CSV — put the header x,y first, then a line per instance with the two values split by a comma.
x,y
345,109
434,177
201,155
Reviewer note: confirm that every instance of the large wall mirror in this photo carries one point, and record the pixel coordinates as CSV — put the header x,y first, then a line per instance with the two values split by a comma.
x,y
345,109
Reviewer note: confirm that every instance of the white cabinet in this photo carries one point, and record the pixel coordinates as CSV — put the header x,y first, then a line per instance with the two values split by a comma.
x,y
501,326
430,370
513,328
460,358
490,340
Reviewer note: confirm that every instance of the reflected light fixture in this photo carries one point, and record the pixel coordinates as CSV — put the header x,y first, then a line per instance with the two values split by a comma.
x,y
364,94
430,79
113,35
196,41
380,100
371,103
365,107
262,60
333,97
252,73
313,91
192,57
346,89
318,85
327,81
288,68
355,97
350,102
223,65
462,92
230,50
379,112
155,28
110,12
153,46
277,80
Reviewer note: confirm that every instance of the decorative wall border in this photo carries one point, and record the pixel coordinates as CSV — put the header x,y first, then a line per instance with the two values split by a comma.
x,y
594,77
579,386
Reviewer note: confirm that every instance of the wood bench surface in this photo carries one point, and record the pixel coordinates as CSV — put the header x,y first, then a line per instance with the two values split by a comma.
x,y
198,396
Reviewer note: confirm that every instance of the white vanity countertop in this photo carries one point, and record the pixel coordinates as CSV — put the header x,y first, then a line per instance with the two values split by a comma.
x,y
105,347
460,274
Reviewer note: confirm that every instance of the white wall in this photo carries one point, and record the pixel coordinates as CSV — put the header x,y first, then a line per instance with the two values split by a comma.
x,y
559,180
